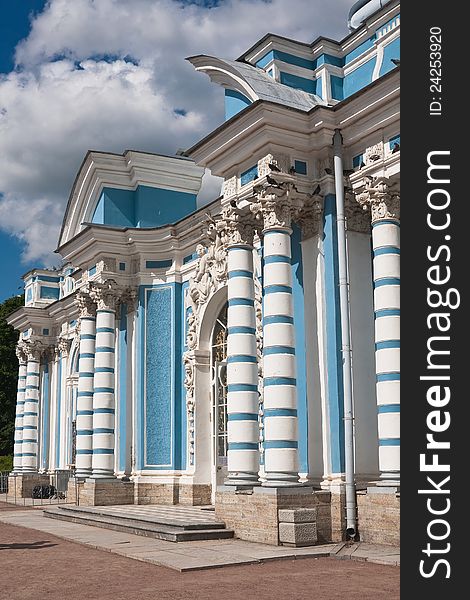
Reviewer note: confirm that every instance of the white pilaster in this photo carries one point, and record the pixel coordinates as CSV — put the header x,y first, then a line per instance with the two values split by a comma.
x,y
86,368
242,367
384,202
104,382
31,410
20,400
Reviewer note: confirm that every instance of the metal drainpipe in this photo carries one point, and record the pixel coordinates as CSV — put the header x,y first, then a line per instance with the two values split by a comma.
x,y
345,338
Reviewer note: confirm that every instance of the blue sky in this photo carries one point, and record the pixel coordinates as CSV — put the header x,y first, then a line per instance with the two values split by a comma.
x,y
14,26
110,75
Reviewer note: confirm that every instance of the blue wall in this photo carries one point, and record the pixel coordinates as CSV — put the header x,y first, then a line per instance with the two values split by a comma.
x,y
161,398
333,337
300,346
143,207
391,50
301,83
234,103
45,395
122,370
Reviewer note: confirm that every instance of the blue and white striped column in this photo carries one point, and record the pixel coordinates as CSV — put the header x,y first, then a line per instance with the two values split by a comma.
x,y
386,249
31,411
103,393
86,368
242,369
280,385
20,399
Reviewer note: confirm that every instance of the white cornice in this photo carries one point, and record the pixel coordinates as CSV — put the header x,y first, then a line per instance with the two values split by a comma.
x,y
266,124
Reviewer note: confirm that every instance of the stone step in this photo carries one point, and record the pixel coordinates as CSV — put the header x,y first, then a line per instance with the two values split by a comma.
x,y
186,519
138,527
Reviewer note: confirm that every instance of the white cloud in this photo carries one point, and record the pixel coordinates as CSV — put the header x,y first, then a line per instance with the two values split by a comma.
x,y
108,75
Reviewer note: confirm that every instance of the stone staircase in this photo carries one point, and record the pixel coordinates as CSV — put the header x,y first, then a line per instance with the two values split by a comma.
x,y
170,523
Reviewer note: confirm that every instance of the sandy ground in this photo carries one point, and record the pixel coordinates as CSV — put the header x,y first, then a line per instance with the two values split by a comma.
x,y
37,565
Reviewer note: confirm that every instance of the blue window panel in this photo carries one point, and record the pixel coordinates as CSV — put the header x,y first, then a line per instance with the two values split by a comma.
x,y
300,83
29,295
249,175
49,293
300,167
394,140
391,50
357,161
337,87
158,264
45,332
234,103
48,279
189,258
122,266
92,270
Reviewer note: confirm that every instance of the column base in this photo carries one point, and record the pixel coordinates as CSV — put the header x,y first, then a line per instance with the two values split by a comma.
x,y
105,492
254,514
243,480
282,480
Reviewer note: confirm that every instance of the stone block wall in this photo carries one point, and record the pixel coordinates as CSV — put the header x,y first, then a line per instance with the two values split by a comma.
x,y
21,486
379,516
106,493
253,514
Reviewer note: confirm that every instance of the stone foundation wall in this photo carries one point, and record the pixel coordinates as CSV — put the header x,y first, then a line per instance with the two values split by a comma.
x,y
105,493
198,494
21,486
253,514
379,516
172,493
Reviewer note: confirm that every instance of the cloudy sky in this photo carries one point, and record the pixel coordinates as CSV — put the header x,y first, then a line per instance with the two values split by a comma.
x,y
111,75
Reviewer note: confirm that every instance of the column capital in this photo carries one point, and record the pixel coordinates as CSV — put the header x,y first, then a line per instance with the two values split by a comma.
x,y
382,197
33,350
129,298
105,294
86,304
277,204
309,217
63,346
239,224
21,353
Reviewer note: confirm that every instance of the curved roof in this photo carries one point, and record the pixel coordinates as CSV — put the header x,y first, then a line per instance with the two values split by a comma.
x,y
254,83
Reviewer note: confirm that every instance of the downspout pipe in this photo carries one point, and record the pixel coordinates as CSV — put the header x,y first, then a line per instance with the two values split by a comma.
x,y
351,512
361,10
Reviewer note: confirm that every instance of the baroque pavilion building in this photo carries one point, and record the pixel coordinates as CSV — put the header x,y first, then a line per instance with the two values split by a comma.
x,y
245,353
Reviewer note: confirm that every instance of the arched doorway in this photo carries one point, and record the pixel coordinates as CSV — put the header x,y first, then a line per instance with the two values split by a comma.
x,y
218,370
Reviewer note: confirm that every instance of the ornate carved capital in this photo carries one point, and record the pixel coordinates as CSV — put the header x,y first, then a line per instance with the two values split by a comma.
x,y
21,353
382,197
105,294
33,350
278,204
129,298
310,216
239,225
86,304
63,346
357,219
